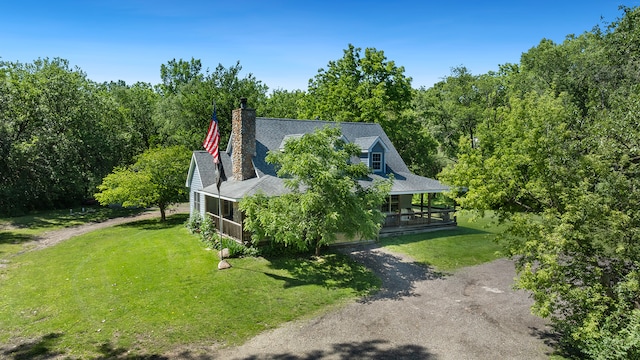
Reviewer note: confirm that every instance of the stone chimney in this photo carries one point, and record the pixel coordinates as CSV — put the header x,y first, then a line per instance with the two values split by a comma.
x,y
243,131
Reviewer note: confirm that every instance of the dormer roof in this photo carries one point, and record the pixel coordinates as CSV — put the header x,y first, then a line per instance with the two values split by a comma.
x,y
369,142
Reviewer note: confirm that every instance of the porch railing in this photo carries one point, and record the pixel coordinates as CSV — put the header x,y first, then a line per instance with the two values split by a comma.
x,y
435,216
230,228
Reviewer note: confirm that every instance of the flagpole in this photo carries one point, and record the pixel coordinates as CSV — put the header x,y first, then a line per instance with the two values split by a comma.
x,y
213,101
212,145
220,229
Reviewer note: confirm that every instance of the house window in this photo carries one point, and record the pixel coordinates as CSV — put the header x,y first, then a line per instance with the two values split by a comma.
x,y
227,209
196,201
376,161
392,204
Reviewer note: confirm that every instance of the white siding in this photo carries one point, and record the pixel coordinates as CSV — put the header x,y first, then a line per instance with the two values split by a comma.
x,y
196,185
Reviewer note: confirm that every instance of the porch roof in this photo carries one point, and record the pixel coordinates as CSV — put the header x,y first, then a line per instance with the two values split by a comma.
x,y
234,190
408,183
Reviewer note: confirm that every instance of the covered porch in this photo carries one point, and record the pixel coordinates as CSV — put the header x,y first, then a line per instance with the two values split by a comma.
x,y
405,213
232,217
408,213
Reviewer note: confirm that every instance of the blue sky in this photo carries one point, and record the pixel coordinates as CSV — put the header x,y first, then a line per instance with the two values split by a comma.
x,y
284,43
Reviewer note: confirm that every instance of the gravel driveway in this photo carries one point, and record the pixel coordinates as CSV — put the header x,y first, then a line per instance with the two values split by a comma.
x,y
418,314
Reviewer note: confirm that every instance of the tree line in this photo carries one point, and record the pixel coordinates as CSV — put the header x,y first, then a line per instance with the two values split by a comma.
x,y
61,133
552,146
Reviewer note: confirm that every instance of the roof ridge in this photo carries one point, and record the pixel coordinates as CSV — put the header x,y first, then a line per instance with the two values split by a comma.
x,y
321,121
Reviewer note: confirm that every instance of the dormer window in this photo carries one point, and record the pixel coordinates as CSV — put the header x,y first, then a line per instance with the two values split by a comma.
x,y
373,153
376,161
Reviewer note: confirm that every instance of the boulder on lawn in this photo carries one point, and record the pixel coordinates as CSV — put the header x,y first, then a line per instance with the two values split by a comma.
x,y
223,264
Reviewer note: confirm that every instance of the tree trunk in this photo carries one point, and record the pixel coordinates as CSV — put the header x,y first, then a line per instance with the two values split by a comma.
x,y
317,247
163,216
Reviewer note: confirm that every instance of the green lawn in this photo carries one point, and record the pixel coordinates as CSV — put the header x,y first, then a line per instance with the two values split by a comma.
x,y
471,243
16,232
147,287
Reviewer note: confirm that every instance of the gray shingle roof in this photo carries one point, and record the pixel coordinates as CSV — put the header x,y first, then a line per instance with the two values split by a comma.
x,y
204,161
271,134
366,143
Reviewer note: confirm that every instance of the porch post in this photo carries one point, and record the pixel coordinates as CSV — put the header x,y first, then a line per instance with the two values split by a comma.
x,y
421,205
429,208
220,218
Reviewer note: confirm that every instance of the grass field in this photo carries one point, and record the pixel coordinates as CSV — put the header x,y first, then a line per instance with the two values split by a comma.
x,y
17,232
471,243
146,287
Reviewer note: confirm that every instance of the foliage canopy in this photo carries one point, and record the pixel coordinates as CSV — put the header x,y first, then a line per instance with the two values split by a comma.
x,y
560,160
156,178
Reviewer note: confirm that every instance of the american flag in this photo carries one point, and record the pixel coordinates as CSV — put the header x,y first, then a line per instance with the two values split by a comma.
x,y
211,144
212,140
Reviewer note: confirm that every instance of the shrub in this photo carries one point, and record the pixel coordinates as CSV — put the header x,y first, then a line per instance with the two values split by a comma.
x,y
194,223
277,250
206,228
208,233
235,249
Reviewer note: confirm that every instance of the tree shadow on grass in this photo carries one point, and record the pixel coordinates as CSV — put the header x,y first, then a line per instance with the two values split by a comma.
x,y
107,351
430,235
288,282
372,273
10,237
331,271
372,349
157,224
36,349
398,276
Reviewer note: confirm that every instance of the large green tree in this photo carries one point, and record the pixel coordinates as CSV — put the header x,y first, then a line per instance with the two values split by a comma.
x,y
453,108
131,115
283,104
360,88
569,193
57,135
325,196
176,73
560,162
184,110
155,179
367,87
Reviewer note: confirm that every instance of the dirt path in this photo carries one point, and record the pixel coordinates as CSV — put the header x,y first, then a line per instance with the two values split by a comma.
x,y
418,314
53,237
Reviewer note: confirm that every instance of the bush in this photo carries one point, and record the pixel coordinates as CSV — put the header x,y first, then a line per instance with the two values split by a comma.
x,y
618,337
277,250
234,247
206,228
208,233
194,223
